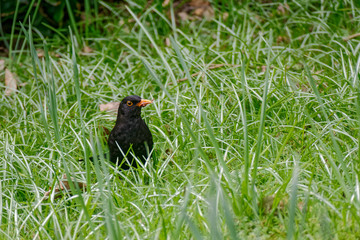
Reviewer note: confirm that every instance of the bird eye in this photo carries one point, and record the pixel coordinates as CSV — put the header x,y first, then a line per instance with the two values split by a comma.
x,y
129,103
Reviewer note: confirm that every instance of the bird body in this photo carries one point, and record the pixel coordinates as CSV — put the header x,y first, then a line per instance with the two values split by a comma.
x,y
130,136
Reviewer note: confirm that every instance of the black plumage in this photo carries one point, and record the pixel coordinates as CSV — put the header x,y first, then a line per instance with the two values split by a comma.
x,y
130,136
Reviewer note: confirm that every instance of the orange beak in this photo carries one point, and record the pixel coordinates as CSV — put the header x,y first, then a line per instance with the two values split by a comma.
x,y
144,102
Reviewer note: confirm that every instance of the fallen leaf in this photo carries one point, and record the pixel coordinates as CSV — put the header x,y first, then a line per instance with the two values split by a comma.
x,y
199,11
202,8
63,187
183,16
199,3
281,39
86,50
106,131
111,106
165,3
209,13
281,9
10,82
196,9
40,53
225,16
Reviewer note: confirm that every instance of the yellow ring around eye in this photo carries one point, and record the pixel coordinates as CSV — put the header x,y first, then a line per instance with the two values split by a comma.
x,y
129,103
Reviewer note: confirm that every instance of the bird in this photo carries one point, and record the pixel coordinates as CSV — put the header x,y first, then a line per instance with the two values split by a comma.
x,y
130,137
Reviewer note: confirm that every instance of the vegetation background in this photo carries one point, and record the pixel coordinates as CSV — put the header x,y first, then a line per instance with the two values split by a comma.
x,y
256,119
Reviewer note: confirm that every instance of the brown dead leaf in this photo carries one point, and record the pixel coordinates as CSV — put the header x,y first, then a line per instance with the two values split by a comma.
x,y
106,131
165,3
111,106
199,12
282,39
199,3
40,53
10,82
281,9
63,187
86,51
2,64
225,16
183,16
208,13
195,10
202,9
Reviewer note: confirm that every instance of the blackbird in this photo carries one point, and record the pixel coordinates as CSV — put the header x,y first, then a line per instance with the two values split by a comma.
x,y
131,136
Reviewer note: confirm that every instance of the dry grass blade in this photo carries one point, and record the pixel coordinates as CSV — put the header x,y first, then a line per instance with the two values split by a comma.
x,y
351,37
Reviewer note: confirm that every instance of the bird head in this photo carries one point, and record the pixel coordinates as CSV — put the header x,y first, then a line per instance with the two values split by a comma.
x,y
131,106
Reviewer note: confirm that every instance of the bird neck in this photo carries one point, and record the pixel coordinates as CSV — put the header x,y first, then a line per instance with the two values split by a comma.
x,y
123,118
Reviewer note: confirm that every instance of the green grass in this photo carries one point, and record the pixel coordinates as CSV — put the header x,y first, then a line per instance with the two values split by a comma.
x,y
280,120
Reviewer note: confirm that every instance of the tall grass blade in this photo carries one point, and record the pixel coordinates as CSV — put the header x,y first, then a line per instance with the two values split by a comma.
x,y
167,66
35,62
261,127
213,139
73,22
13,29
335,144
244,122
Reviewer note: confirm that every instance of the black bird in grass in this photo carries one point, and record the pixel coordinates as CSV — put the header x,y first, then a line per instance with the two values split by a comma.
x,y
131,136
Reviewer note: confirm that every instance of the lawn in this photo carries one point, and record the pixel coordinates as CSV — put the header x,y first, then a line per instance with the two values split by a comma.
x,y
255,123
